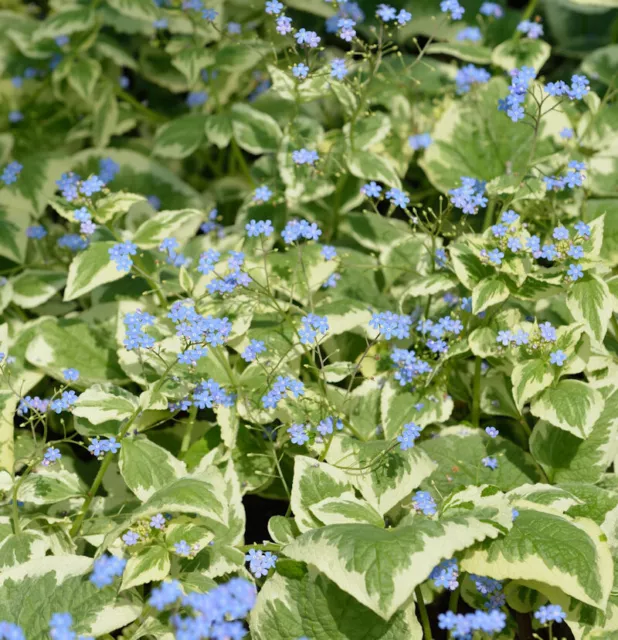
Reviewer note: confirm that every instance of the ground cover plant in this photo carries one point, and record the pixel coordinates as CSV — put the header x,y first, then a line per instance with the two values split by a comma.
x,y
308,320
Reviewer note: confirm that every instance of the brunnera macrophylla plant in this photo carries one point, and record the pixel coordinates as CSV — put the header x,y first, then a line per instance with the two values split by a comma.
x,y
308,322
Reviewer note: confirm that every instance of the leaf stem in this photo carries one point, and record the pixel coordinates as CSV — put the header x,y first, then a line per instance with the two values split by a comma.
x,y
476,392
453,600
423,612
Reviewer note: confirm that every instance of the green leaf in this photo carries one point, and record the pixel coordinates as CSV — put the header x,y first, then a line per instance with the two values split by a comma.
x,y
367,132
458,453
31,593
313,482
550,547
90,269
589,301
13,239
282,530
105,118
83,77
602,63
64,23
116,204
191,61
34,287
566,458
141,9
313,606
218,129
255,131
371,166
381,567
488,292
462,51
50,485
388,476
150,564
572,405
146,467
65,343
18,549
516,53
345,510
529,379
182,225
101,403
468,266
180,137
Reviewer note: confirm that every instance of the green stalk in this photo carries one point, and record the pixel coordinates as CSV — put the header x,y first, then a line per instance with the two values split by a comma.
x,y
476,392
423,611
453,600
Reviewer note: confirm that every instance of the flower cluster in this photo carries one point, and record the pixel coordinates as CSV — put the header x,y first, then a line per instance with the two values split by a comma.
x,y
36,404
580,87
60,628
50,456
573,178
252,351
452,8
305,156
121,254
470,196
105,569
446,574
530,29
391,324
135,334
209,393
311,326
170,246
419,141
469,34
282,385
409,434
491,9
234,277
11,172
100,447
165,594
11,631
296,229
445,327
260,562
512,105
469,76
211,224
257,228
408,366
550,613
423,501
464,625
217,614
66,400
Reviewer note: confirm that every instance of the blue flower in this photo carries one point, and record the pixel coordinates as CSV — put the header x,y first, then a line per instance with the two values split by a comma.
x,y
499,230
403,17
331,281
154,202
305,156
234,28
165,594
446,574
531,29
390,324
470,75
338,69
550,613
260,562
282,385
491,9
386,13
208,261
410,433
108,169
548,333
211,394
514,244
371,189
262,194
274,7
346,29
512,104
490,462
509,217
561,233
92,185
70,375
310,38
424,502
136,336
157,521
557,357
453,8
495,256
160,23
284,25
298,434
15,117
576,252
582,229
36,232
419,141
105,569
196,98
253,350
549,252
11,172
408,366
398,198
492,432
521,337
50,456
575,272
300,70
182,548
566,133
470,34
328,252
469,197
296,229
130,538
121,254
65,402
311,326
